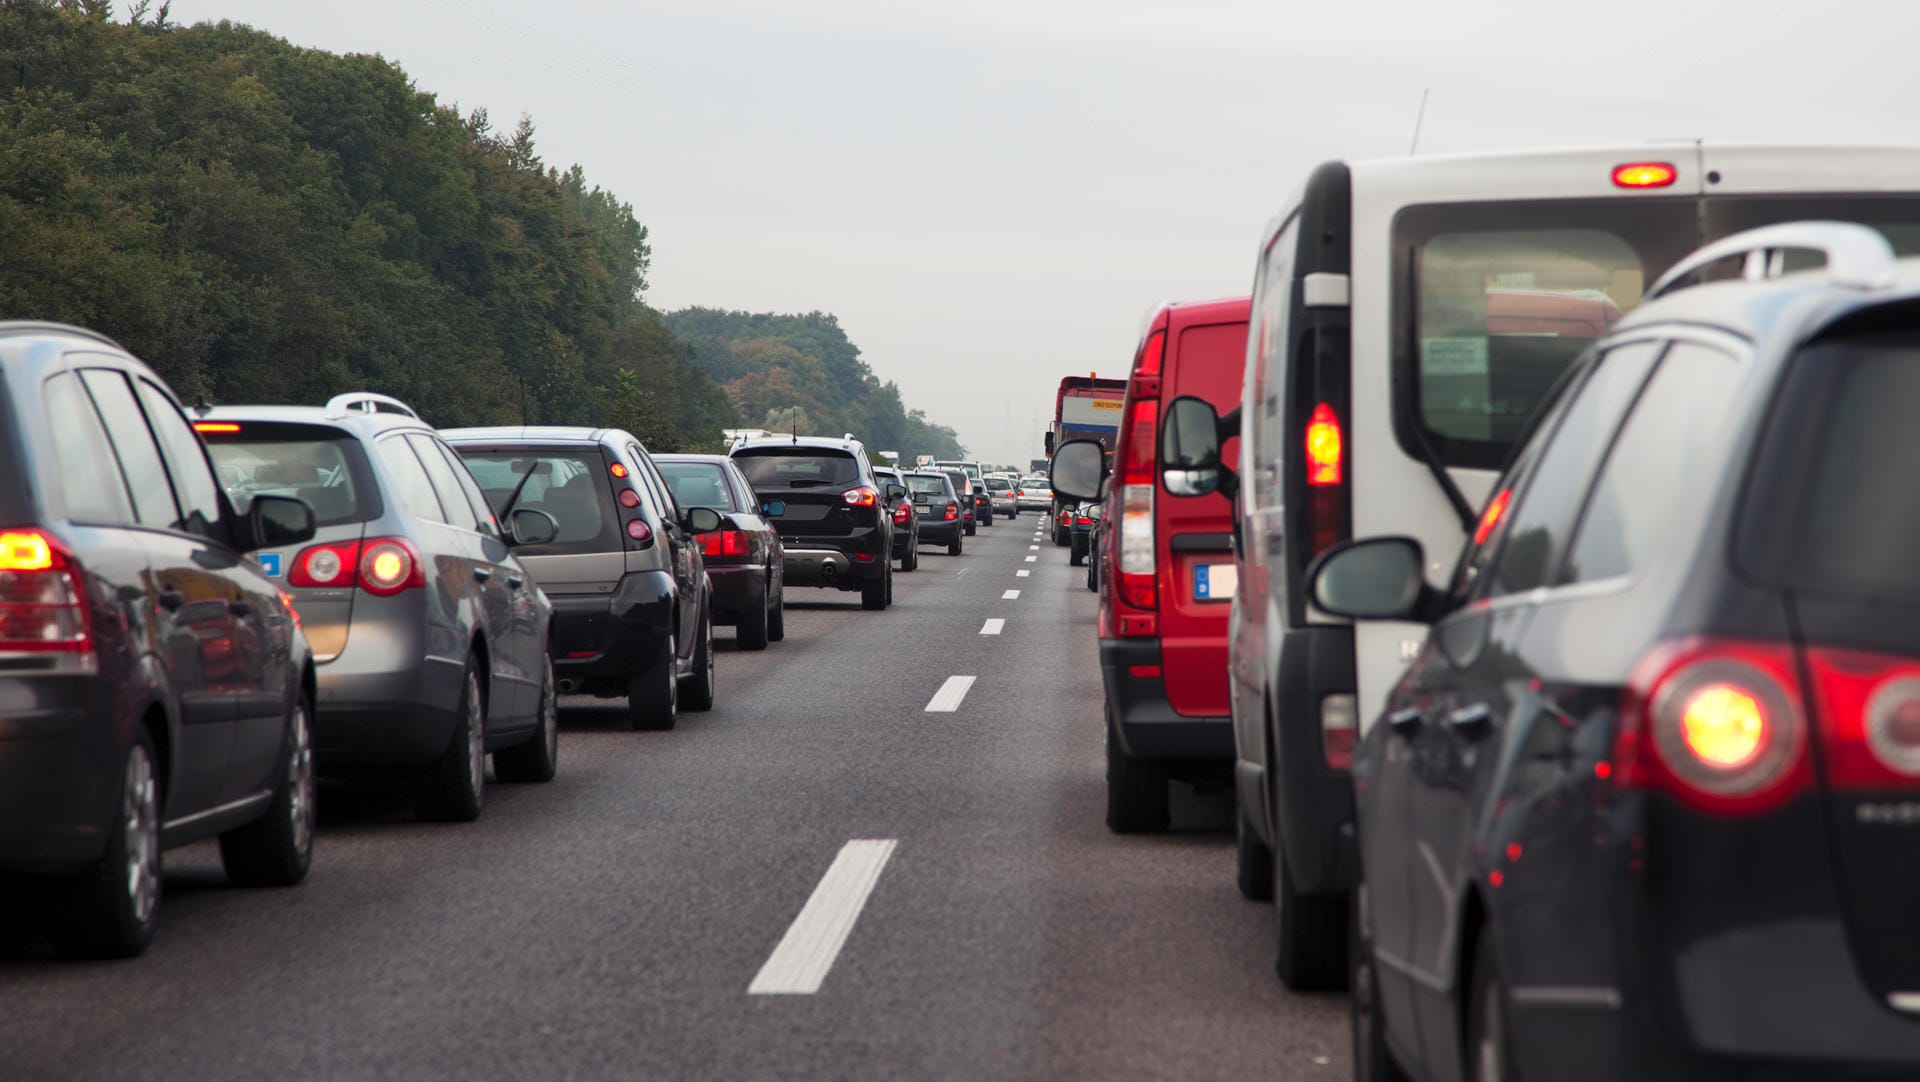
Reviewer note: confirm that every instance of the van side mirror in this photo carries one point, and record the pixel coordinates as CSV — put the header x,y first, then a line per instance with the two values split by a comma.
x,y
531,526
1378,578
1079,470
276,521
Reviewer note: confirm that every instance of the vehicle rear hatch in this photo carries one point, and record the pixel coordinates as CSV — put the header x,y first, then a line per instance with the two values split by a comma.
x,y
1194,534
327,467
1828,523
811,483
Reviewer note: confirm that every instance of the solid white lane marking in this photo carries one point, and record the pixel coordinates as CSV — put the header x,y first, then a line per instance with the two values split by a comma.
x,y
1031,559
813,941
1022,573
1010,595
993,627
947,699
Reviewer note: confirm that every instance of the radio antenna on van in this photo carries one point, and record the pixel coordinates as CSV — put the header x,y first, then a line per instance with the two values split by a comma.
x,y
1419,119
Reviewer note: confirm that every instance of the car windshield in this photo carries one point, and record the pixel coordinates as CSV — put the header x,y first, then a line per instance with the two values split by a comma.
x,y
566,484
780,467
927,486
699,484
319,464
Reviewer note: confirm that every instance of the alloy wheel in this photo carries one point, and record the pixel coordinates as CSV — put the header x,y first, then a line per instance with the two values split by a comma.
x,y
476,735
300,802
140,808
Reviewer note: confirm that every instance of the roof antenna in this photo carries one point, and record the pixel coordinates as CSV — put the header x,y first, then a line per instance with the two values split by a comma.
x,y
1418,120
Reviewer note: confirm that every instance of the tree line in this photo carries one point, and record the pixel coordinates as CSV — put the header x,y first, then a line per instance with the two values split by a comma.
x,y
268,223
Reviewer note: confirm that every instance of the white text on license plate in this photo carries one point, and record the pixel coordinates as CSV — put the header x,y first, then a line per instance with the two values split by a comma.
x,y
1215,582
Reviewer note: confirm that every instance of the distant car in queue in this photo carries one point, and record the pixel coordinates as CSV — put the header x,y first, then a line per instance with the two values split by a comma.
x,y
1035,493
906,520
744,558
939,509
963,489
1002,491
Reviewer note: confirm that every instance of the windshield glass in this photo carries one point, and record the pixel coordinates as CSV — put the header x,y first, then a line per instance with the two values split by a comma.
x,y
323,466
800,468
698,484
564,483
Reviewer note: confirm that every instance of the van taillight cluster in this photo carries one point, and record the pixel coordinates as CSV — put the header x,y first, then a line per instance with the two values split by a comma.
x,y
42,600
382,566
1135,579
1326,466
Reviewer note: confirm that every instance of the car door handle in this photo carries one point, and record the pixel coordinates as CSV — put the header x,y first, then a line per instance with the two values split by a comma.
x,y
516,581
1471,720
171,600
1405,721
481,574
240,609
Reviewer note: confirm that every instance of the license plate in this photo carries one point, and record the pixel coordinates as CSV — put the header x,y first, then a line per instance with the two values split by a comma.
x,y
1215,582
923,508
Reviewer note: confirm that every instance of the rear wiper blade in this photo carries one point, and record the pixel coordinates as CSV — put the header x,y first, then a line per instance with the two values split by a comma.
x,y
807,482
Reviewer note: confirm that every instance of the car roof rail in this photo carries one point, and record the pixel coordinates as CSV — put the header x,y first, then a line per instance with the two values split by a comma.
x,y
341,405
1858,256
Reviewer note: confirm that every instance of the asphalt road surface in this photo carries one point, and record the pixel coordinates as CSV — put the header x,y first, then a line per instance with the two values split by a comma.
x,y
686,905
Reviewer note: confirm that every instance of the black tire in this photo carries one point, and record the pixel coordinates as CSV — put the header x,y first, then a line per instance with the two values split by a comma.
x,y
276,849
1077,554
698,689
1061,535
1093,576
777,618
752,631
537,758
910,559
653,693
953,546
986,517
1136,792
1310,935
970,528
1371,1060
873,593
110,910
454,787
1253,862
1489,1049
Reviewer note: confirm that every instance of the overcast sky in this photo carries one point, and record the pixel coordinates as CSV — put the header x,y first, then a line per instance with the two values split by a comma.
x,y
992,194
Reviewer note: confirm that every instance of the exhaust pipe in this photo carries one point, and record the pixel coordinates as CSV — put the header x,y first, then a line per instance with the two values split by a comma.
x,y
571,685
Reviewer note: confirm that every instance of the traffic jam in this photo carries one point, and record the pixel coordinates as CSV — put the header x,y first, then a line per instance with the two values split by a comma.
x,y
1518,560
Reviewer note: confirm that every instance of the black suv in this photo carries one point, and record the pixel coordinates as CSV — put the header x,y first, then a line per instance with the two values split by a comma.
x,y
834,516
1644,804
158,689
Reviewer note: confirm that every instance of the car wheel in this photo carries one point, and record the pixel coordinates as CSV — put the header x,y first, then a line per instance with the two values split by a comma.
x,y
276,849
910,560
653,693
777,619
986,518
455,785
1077,554
873,593
1136,792
700,684
1488,1058
109,912
752,631
971,528
953,546
538,758
1371,1060
1061,536
1093,577
1253,862
1310,934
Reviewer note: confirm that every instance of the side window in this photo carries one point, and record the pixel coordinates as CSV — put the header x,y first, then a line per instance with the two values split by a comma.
x,y
655,484
133,447
446,484
186,458
1535,527
1650,473
476,499
87,474
412,487
1267,355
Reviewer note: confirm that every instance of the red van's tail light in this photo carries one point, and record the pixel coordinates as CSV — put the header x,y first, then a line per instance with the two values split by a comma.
x,y
861,497
1716,724
953,511
42,599
1868,707
725,543
1644,175
1135,578
382,566
1151,353
1326,450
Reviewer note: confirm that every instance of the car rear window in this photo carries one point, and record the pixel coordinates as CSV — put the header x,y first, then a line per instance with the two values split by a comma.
x,y
320,464
1826,511
779,467
927,486
568,484
699,484
999,484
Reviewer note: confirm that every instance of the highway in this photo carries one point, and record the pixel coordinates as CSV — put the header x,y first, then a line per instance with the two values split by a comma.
x,y
632,919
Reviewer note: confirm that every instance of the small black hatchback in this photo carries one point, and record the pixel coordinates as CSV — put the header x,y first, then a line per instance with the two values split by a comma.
x,y
156,687
1646,804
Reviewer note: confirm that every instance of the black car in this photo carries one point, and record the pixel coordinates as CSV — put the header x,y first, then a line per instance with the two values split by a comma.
x,y
158,690
939,509
834,517
1644,805
632,601
744,559
906,520
1080,539
969,498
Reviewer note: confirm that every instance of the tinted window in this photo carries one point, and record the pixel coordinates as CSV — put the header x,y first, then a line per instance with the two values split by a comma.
x,y
323,466
446,485
1657,464
80,452
999,484
134,449
1535,527
960,482
801,468
1829,509
574,486
699,484
411,485
930,486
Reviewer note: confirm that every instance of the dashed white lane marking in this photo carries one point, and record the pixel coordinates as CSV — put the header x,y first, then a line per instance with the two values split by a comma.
x,y
963,571
1035,548
805,954
1010,595
1031,559
1022,573
947,699
993,627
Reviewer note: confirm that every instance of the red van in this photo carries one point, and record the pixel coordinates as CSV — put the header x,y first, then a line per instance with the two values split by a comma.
x,y
1168,568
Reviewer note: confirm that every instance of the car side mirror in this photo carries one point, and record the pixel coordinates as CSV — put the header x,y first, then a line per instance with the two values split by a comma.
x,y
1079,470
1189,452
1378,578
531,526
276,521
774,508
896,492
703,520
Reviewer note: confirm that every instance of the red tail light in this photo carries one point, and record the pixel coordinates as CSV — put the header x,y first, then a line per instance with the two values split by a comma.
x,y
382,566
953,511
42,596
1151,353
903,514
1082,521
1326,451
725,543
1490,518
1339,730
628,498
1326,481
1868,708
1716,724
1134,566
1644,175
861,497
215,428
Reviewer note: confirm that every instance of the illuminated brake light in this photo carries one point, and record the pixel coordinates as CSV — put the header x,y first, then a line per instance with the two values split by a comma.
x,y
389,565
215,427
861,497
25,550
1324,447
382,566
1644,175
1716,724
1491,517
953,511
42,602
724,543
903,514
1723,727
617,470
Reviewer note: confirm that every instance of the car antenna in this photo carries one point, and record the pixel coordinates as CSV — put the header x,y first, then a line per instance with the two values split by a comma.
x,y
1419,119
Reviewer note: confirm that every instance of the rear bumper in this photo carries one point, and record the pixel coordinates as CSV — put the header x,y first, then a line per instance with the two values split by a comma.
x,y
600,640
1144,721
385,719
739,590
59,775
839,563
941,533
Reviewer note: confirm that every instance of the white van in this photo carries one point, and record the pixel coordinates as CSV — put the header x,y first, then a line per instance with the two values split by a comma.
x,y
1408,318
